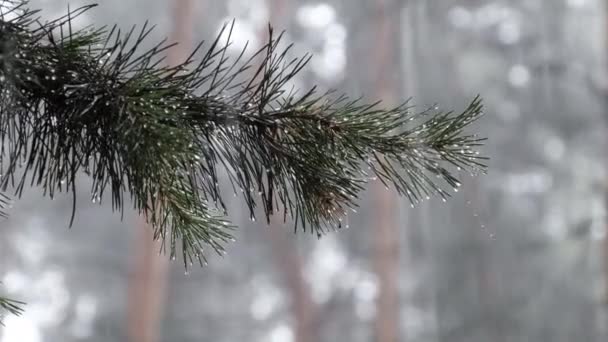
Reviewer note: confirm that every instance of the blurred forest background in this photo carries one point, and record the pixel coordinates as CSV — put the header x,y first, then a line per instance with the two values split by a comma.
x,y
520,254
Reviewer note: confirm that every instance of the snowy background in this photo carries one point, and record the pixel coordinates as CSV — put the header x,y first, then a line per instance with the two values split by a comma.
x,y
520,254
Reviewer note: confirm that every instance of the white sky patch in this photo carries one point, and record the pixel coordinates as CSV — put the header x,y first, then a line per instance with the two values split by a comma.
x,y
366,291
266,300
316,16
577,3
326,263
255,11
280,333
519,76
321,22
251,16
554,148
52,298
555,225
330,63
20,329
33,251
460,17
13,281
47,300
243,34
85,311
509,31
335,35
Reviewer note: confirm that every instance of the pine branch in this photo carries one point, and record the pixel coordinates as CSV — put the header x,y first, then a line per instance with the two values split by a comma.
x,y
96,101
13,307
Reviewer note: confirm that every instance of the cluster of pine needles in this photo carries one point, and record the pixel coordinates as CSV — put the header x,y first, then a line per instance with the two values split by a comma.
x,y
160,138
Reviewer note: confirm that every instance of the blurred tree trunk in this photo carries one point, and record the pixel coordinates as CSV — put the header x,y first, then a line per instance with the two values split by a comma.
x,y
605,253
289,264
148,280
386,64
288,261
605,240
